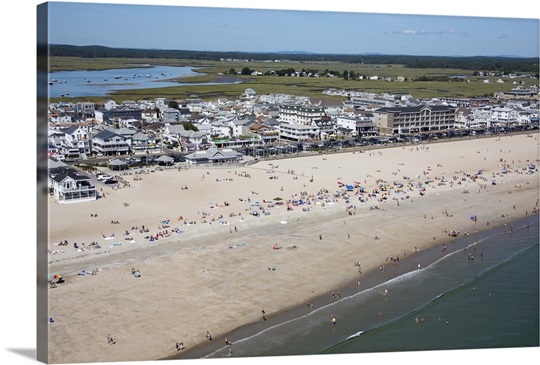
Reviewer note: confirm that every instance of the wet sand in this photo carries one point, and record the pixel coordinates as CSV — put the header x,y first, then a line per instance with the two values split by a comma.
x,y
367,280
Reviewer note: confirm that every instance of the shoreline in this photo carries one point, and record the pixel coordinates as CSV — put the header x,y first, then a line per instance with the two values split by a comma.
x,y
369,280
213,278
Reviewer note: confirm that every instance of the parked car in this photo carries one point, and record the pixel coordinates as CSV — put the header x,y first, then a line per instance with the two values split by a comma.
x,y
103,177
110,181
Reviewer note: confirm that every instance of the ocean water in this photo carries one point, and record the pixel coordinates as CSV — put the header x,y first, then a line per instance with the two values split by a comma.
x,y
491,301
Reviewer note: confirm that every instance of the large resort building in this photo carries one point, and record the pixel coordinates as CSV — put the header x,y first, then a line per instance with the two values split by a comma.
x,y
415,119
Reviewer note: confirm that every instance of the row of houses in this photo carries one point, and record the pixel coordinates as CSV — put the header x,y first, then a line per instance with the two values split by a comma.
x,y
213,132
192,125
70,185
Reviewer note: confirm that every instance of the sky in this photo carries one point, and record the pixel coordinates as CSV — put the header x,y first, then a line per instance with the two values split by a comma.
x,y
214,28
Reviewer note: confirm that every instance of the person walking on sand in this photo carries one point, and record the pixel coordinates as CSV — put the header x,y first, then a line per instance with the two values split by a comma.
x,y
110,340
208,336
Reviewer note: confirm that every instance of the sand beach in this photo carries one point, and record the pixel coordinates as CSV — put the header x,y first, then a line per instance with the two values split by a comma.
x,y
215,246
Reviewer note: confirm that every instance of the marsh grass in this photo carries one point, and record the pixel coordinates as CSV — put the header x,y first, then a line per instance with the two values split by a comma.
x,y
306,86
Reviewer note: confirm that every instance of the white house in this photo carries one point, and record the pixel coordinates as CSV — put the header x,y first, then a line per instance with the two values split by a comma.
x,y
142,142
60,118
185,138
75,141
326,126
69,185
109,144
504,116
249,93
480,118
239,127
220,128
110,104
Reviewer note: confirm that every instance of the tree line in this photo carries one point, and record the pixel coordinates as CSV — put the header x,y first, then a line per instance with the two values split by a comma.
x,y
499,64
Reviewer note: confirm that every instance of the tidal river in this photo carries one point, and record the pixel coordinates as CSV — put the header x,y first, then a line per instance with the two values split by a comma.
x,y
103,82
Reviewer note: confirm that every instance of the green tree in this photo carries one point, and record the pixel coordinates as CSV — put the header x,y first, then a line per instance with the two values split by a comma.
x,y
189,126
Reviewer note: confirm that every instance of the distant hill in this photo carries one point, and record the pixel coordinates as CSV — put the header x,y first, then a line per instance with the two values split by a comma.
x,y
499,64
295,52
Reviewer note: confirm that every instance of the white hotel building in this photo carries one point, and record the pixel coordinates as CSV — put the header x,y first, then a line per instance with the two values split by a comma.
x,y
300,123
296,114
299,132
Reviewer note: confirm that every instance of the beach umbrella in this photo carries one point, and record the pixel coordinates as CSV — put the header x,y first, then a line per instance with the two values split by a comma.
x,y
277,198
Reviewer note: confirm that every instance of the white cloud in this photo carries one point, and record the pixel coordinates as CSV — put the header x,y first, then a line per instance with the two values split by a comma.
x,y
411,32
